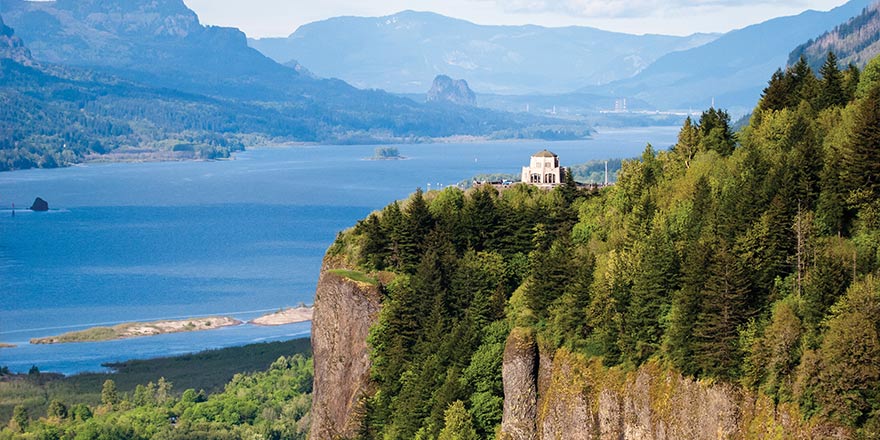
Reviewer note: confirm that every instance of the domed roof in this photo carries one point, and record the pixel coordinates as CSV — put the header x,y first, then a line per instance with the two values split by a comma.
x,y
544,153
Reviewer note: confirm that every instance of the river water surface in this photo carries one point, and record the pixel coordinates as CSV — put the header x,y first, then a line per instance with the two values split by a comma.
x,y
147,241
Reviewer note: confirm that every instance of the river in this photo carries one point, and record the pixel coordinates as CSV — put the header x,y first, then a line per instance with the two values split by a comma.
x,y
243,237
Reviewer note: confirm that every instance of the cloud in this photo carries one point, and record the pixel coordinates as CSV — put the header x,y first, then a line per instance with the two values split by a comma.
x,y
628,8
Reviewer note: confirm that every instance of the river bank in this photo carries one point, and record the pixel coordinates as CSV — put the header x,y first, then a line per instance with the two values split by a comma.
x,y
137,329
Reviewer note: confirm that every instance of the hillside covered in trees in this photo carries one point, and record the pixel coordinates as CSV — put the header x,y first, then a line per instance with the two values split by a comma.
x,y
748,258
857,41
144,79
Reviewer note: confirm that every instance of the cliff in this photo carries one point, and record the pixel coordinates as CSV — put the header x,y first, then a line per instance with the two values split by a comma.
x,y
562,395
343,313
445,89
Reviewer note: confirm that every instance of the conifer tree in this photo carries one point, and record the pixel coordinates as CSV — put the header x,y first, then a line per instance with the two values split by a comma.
x,y
417,223
724,308
109,394
715,132
655,280
775,96
861,155
831,91
688,142
459,425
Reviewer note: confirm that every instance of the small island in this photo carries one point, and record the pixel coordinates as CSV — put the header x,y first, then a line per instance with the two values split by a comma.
x,y
286,316
387,153
4,345
136,329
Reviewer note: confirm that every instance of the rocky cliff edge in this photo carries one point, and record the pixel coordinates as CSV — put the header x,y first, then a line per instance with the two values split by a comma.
x,y
344,312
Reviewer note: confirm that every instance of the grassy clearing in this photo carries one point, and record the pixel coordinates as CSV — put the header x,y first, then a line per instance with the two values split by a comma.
x,y
209,370
355,276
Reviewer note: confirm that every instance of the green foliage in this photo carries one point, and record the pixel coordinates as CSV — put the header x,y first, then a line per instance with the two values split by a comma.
x,y
727,257
270,404
209,370
458,424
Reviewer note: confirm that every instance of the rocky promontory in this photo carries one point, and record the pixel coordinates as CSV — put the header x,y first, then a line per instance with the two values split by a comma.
x,y
445,89
346,306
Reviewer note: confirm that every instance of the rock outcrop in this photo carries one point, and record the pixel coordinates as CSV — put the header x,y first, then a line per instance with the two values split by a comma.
x,y
11,47
40,205
520,388
344,312
578,398
445,89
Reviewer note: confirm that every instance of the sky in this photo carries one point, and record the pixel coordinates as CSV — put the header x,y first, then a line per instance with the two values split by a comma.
x,y
277,18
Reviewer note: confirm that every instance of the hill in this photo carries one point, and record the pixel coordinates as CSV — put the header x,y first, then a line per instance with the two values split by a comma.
x,y
403,53
145,76
857,41
726,288
732,69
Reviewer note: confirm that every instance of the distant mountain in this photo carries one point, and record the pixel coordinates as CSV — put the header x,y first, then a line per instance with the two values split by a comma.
x,y
11,46
403,52
857,41
732,69
159,42
112,76
445,89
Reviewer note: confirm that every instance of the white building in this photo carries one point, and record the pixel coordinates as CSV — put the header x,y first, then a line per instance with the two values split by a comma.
x,y
543,170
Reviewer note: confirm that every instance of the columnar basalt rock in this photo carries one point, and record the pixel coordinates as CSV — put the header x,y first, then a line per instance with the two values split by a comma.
x,y
519,371
344,312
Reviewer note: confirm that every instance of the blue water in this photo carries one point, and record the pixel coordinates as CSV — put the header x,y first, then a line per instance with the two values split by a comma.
x,y
147,241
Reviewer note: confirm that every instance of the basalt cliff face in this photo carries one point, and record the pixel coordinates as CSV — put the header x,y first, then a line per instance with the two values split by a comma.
x,y
344,312
562,395
549,394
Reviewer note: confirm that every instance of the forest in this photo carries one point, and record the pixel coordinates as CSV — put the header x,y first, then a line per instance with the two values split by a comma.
x,y
750,258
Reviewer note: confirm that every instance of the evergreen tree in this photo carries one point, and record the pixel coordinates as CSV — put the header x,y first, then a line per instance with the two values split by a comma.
x,y
861,154
775,96
109,394
688,142
459,425
417,223
715,132
480,219
655,280
20,419
831,91
851,78
551,271
724,308
803,85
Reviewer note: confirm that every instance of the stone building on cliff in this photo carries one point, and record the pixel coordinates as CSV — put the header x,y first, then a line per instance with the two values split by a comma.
x,y
544,170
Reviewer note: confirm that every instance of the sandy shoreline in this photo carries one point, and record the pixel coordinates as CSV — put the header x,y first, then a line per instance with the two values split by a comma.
x,y
286,316
136,329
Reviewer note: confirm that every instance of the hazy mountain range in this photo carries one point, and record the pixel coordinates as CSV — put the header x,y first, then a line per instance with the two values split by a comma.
x,y
733,69
404,52
86,77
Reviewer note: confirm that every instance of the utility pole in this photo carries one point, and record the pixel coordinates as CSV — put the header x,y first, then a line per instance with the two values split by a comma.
x,y
606,173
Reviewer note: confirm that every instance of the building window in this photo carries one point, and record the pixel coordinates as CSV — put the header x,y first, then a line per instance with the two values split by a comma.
x,y
550,178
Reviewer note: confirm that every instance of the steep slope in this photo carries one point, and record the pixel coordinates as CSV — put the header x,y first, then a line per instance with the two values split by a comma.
x,y
160,42
857,41
405,51
732,69
11,46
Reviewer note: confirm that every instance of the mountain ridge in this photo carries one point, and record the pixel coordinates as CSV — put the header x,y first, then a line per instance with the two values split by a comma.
x,y
494,58
856,41
734,68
